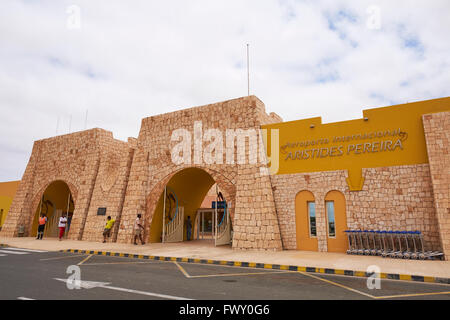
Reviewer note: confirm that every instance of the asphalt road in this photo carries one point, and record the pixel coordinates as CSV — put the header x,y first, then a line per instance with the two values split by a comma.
x,y
34,275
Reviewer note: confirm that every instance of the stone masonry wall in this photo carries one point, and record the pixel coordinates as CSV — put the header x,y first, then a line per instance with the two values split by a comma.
x,y
253,214
437,134
393,198
109,191
73,158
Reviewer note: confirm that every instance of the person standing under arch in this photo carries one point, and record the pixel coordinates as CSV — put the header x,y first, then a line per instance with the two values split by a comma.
x,y
107,231
188,228
41,227
138,229
62,226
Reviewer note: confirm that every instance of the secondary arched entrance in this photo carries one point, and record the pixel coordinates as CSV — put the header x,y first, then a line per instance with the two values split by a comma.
x,y
55,200
336,218
179,205
306,221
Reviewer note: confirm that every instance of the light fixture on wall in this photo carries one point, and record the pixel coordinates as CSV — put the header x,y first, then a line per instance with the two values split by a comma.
x,y
312,126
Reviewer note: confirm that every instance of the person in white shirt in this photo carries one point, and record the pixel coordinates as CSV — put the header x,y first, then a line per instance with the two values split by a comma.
x,y
62,226
138,229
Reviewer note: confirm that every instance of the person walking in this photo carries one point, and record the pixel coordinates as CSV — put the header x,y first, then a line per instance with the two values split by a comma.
x,y
107,231
69,221
138,229
41,227
62,226
188,228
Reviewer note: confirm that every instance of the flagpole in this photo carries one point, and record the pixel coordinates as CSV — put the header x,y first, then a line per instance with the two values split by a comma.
x,y
248,69
164,215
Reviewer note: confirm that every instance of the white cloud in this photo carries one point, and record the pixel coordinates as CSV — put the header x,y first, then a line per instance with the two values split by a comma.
x,y
140,58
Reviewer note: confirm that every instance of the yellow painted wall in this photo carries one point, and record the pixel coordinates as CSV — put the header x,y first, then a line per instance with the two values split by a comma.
x,y
391,136
191,186
7,193
57,192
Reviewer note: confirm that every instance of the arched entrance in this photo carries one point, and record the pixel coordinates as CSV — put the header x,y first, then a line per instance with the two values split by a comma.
x,y
181,198
336,218
306,221
55,200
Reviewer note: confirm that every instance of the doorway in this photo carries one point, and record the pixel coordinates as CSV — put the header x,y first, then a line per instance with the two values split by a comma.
x,y
205,224
54,202
336,218
306,221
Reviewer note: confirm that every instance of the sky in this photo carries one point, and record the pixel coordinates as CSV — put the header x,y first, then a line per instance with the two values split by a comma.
x,y
115,62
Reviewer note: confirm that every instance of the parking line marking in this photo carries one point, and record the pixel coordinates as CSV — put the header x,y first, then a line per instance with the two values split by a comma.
x,y
65,257
413,295
87,258
106,263
338,285
12,252
26,250
182,270
236,274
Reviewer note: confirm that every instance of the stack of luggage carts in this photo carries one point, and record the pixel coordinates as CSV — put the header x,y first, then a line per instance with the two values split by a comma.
x,y
392,244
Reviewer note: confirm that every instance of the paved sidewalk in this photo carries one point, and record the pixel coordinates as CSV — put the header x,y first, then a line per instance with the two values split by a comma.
x,y
204,249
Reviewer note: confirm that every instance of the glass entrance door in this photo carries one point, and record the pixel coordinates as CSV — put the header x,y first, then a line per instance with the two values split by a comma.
x,y
205,224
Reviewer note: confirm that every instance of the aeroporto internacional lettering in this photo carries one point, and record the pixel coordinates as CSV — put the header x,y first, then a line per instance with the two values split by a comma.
x,y
389,170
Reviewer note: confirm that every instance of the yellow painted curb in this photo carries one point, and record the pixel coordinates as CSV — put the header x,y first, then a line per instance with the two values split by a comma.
x,y
359,274
405,277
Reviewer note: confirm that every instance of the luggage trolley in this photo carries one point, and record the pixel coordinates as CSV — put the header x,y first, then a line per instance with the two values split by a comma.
x,y
373,244
414,236
399,253
392,251
432,255
385,242
351,242
380,248
367,249
408,253
361,242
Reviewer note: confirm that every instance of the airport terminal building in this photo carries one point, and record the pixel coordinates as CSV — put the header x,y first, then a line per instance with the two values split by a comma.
x,y
294,185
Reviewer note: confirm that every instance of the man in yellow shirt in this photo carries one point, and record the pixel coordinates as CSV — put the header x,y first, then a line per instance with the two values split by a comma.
x,y
109,224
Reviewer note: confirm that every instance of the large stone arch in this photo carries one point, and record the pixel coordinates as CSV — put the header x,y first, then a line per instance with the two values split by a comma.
x,y
227,186
38,195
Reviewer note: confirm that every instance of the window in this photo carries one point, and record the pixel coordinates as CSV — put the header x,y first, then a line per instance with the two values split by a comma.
x,y
312,219
331,220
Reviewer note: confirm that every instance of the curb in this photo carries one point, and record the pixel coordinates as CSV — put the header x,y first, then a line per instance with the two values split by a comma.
x,y
351,273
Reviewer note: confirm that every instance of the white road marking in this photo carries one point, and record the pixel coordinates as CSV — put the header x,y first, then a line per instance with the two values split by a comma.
x,y
13,252
26,250
2,255
24,298
65,257
105,285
